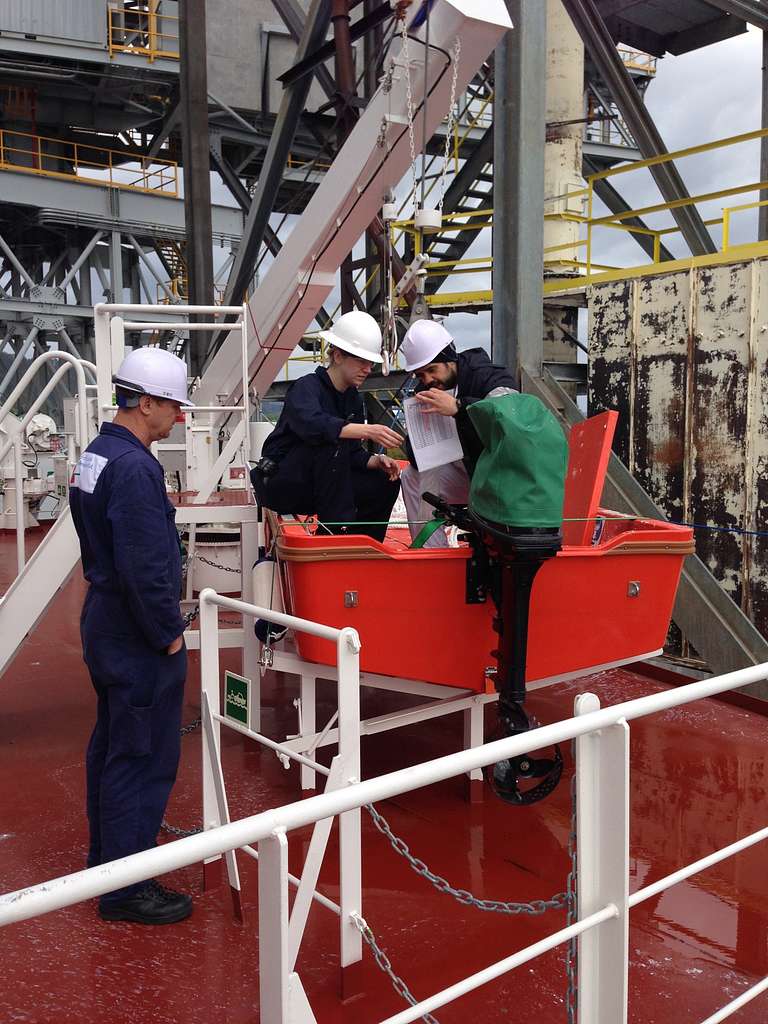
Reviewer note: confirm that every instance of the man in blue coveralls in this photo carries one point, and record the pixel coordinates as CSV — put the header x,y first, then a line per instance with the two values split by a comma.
x,y
132,629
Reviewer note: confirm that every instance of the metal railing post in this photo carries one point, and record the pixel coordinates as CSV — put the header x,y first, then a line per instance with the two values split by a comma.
x,y
209,685
102,358
350,836
602,801
273,921
19,502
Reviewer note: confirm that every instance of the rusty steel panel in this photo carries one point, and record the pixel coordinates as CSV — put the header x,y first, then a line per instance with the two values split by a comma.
x,y
610,338
684,359
660,361
719,417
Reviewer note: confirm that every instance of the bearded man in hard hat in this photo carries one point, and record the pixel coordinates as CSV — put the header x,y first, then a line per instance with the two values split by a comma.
x,y
131,627
314,462
449,382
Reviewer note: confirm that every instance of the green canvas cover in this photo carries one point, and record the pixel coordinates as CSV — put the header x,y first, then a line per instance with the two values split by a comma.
x,y
519,479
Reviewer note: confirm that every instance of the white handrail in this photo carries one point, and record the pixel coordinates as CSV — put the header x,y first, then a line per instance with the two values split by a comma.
x,y
79,366
69,889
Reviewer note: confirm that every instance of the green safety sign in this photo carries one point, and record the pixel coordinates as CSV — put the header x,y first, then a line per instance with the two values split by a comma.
x,y
237,697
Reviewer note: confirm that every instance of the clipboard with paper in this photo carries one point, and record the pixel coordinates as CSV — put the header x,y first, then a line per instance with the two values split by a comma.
x,y
434,438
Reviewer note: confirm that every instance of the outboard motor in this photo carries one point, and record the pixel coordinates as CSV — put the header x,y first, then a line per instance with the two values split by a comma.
x,y
513,523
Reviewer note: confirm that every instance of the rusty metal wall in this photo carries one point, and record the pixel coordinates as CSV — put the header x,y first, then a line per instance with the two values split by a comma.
x,y
684,359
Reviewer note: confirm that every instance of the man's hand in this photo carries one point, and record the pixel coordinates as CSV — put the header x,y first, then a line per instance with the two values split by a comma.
x,y
387,465
437,400
175,646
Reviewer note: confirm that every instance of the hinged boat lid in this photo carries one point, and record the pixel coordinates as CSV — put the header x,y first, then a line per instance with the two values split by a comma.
x,y
589,449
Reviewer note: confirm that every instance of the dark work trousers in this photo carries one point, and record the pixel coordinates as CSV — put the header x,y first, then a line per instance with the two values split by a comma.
x,y
133,753
321,480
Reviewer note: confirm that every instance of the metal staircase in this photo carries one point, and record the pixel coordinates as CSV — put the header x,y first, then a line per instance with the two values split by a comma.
x,y
46,572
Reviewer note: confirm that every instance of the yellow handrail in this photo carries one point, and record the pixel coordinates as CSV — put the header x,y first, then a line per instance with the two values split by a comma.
x,y
136,31
74,161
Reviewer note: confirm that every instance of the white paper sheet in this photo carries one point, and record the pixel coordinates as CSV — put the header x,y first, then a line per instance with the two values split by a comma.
x,y
434,438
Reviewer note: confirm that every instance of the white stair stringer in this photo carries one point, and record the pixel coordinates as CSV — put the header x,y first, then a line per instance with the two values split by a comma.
x,y
25,602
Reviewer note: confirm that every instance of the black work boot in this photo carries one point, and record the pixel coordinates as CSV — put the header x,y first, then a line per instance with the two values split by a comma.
x,y
154,904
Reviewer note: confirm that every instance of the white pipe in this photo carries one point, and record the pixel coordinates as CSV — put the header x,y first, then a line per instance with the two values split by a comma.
x,y
208,596
19,503
509,963
296,882
140,307
147,325
79,366
700,865
277,747
82,885
39,401
742,1000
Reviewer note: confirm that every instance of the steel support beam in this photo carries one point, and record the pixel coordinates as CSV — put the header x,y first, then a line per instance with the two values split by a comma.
x,y
714,624
602,49
293,16
345,84
616,203
197,166
518,188
753,13
291,107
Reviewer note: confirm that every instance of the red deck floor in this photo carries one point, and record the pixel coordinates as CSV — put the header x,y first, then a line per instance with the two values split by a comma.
x,y
698,783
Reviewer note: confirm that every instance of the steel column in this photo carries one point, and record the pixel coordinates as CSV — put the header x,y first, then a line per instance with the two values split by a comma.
x,y
197,165
116,268
518,190
602,49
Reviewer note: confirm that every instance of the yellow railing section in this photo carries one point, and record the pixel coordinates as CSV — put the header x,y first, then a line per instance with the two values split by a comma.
x,y
464,220
592,271
637,60
57,158
147,33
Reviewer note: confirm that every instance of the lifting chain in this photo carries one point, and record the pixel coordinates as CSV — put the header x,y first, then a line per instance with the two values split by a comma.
x,y
451,121
409,99
190,617
462,896
384,963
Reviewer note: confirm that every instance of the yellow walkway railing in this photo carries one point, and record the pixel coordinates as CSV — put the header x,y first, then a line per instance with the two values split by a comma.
x,y
147,33
73,161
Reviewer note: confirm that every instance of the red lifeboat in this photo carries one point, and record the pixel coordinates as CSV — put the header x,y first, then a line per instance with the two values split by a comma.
x,y
605,599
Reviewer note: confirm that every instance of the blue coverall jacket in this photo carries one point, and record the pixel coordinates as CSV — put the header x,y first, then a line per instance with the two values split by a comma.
x,y
132,561
318,472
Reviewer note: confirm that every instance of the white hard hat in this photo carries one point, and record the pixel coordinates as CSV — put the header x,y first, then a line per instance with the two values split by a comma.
x,y
156,372
422,342
356,333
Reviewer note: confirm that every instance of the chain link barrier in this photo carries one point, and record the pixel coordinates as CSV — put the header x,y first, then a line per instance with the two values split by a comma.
x,y
463,896
385,964
215,565
174,830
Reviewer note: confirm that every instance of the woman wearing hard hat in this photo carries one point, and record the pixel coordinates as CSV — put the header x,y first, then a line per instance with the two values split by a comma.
x,y
314,461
